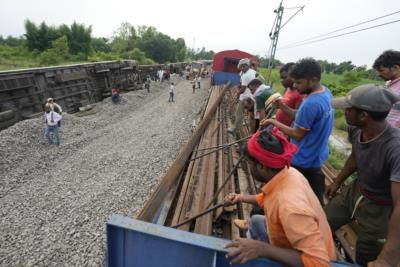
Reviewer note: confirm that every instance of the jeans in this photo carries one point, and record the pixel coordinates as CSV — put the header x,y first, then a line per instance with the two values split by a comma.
x,y
115,98
52,129
258,228
171,97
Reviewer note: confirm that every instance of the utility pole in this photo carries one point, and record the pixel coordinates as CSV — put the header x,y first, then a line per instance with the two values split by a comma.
x,y
273,35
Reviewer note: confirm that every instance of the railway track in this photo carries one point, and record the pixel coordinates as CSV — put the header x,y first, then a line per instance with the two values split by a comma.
x,y
208,168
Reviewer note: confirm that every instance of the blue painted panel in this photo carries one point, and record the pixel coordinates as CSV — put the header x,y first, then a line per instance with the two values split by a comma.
x,y
220,78
132,242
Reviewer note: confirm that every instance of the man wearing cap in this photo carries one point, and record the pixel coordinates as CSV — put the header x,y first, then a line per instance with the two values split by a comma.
x,y
247,75
298,232
388,67
312,125
261,92
373,199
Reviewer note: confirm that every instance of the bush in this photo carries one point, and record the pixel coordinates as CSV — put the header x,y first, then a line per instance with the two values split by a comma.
x,y
340,123
79,57
336,159
350,78
49,57
101,56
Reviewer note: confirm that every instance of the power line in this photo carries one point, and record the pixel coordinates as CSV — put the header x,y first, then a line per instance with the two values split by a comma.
x,y
294,7
341,29
335,36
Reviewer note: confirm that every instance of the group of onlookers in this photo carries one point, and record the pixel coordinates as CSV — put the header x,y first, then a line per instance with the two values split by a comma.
x,y
286,154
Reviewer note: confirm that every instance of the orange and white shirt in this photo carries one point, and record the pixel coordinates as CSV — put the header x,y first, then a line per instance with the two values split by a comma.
x,y
295,218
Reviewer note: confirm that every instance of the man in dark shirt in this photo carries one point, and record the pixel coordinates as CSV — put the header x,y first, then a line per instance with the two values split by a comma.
x,y
373,199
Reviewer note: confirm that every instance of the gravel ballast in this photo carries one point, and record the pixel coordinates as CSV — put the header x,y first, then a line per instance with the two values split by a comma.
x,y
55,201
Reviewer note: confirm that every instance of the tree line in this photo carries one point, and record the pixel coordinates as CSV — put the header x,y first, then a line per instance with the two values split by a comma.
x,y
44,44
59,44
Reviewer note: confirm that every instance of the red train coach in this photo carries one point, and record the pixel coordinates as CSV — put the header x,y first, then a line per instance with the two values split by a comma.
x,y
224,66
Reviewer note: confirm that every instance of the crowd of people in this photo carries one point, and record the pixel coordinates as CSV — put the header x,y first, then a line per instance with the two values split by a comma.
x,y
295,227
286,153
53,111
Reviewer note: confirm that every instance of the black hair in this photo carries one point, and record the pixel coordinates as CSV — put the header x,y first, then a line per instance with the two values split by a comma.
x,y
255,82
387,59
306,68
375,115
286,67
268,142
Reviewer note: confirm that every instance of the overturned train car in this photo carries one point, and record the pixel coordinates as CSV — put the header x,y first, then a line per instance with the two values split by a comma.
x,y
23,92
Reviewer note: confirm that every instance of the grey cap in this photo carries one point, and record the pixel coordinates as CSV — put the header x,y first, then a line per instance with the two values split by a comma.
x,y
369,97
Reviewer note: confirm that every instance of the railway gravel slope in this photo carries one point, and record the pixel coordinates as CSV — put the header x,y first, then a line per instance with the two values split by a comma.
x,y
55,201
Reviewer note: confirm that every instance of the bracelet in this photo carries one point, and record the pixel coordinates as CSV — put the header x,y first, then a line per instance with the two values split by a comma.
x,y
240,198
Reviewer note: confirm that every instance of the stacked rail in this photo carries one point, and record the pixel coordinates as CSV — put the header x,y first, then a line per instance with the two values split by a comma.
x,y
208,168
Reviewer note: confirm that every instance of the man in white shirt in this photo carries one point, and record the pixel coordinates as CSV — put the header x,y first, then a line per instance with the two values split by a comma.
x,y
247,76
198,80
52,119
55,107
160,74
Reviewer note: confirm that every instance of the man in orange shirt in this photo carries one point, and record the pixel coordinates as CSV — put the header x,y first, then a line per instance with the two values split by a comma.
x,y
298,232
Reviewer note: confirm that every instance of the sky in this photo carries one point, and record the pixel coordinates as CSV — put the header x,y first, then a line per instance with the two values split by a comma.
x,y
224,25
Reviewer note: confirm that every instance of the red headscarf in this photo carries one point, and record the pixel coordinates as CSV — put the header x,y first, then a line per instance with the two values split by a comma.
x,y
267,158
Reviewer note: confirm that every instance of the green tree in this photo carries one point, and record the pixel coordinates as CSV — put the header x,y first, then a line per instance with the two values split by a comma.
x,y
56,54
343,67
40,38
181,49
101,45
12,41
327,67
137,55
125,38
158,46
350,78
79,39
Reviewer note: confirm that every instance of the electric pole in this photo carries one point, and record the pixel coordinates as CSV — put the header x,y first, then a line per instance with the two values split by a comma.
x,y
274,35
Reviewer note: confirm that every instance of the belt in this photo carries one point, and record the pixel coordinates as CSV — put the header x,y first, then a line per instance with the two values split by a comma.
x,y
377,200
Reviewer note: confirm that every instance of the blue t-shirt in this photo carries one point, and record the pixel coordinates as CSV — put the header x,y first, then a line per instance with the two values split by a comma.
x,y
315,115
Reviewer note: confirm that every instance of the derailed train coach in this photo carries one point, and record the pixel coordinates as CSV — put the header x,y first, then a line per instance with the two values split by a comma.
x,y
224,68
24,92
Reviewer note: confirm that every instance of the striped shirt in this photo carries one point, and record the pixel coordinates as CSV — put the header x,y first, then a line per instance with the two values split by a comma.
x,y
394,115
